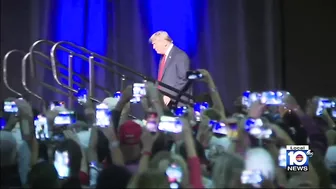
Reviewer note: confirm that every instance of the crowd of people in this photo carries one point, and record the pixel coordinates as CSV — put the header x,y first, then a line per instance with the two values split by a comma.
x,y
244,149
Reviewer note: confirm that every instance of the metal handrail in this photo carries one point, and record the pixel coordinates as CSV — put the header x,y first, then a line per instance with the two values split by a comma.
x,y
61,75
45,66
51,43
4,66
24,83
32,52
5,78
91,62
64,76
23,80
32,49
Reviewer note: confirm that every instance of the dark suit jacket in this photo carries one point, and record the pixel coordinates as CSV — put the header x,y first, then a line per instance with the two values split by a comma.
x,y
174,74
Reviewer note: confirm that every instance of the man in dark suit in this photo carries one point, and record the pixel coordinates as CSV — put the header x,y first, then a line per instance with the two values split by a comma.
x,y
174,63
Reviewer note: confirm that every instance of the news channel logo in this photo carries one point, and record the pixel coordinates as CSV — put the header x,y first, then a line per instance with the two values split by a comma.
x,y
297,158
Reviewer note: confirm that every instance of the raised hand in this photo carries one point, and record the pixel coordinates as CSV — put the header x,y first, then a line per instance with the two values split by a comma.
x,y
206,75
291,104
25,110
148,139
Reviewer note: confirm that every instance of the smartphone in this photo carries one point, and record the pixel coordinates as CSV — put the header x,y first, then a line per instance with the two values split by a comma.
x,y
253,97
218,127
194,74
41,128
81,96
199,108
139,91
65,118
256,128
151,122
170,124
61,163
282,157
261,132
94,170
2,123
54,104
180,111
10,107
271,98
245,98
252,177
117,94
324,103
252,123
175,174
103,115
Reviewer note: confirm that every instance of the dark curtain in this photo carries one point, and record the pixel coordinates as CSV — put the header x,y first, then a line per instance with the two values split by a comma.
x,y
309,47
255,45
239,45
15,34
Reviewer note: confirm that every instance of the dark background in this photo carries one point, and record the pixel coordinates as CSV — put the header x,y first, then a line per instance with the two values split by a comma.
x,y
288,44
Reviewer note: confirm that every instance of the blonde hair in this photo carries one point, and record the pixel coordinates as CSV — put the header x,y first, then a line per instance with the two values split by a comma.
x,y
162,35
260,159
162,160
151,178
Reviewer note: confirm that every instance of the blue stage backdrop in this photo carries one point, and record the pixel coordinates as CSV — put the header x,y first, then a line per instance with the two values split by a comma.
x,y
231,39
84,22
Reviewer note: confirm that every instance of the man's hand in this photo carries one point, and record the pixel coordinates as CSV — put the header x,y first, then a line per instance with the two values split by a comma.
x,y
256,110
206,75
311,106
166,100
291,104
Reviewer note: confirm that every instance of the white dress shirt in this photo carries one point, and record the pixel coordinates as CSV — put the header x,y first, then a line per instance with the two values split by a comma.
x,y
169,49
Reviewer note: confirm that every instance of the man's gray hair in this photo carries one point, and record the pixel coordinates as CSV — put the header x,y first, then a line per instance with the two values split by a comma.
x,y
7,148
160,34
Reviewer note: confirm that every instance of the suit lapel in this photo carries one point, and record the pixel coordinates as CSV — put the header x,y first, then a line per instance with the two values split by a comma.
x,y
168,60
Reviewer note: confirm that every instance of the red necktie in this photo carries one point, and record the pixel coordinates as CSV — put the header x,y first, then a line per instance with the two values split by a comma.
x,y
162,66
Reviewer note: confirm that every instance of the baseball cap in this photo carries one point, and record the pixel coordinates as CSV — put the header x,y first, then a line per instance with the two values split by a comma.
x,y
130,133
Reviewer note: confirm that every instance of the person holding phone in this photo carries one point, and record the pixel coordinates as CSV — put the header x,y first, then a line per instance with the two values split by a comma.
x,y
174,63
22,145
